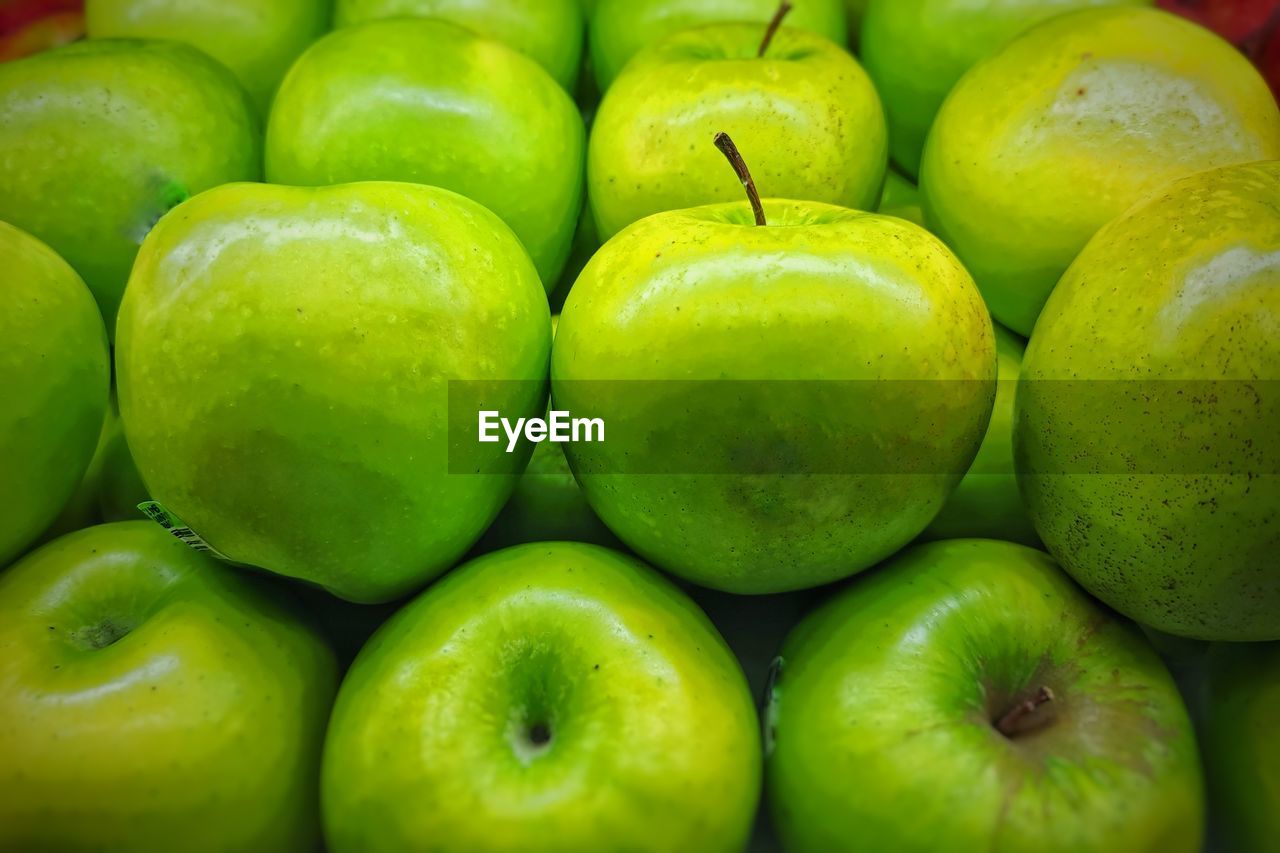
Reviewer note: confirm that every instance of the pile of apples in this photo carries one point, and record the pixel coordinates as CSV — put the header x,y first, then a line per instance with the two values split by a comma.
x,y
937,350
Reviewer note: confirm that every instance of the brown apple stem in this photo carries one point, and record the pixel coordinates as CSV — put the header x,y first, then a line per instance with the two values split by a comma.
x,y
1024,716
731,153
783,8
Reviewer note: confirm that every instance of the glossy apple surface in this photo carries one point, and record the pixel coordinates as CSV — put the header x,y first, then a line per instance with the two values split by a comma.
x,y
100,138
1043,143
805,116
480,119
1241,751
554,696
1144,433
322,327
986,504
55,372
890,716
257,40
620,28
916,50
151,694
788,403
548,31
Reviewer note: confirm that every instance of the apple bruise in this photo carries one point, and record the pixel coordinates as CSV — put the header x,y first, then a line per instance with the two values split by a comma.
x,y
99,635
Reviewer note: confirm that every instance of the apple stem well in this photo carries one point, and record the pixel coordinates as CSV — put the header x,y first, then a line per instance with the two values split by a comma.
x,y
783,8
1025,716
731,153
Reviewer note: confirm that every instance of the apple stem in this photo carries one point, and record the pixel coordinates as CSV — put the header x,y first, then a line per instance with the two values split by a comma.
x,y
1015,720
731,153
783,8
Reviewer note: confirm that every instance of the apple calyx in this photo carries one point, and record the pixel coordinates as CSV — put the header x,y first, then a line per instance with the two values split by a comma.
x,y
783,8
731,153
1026,716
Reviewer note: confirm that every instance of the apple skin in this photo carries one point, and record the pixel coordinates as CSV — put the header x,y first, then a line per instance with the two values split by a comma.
x,y
297,456
480,119
549,31
620,28
98,139
841,474
916,50
203,721
805,117
119,485
1164,506
55,372
546,505
1067,126
258,41
881,716
111,487
901,198
986,504
1241,751
854,12
431,741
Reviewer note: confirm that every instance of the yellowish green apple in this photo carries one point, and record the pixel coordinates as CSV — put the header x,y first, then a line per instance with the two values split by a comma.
x,y
151,694
257,40
620,28
550,696
478,118
788,403
98,139
916,50
55,373
804,112
1145,429
1072,122
548,31
321,327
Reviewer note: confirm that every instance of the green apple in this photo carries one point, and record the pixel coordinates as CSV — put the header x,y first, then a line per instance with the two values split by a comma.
x,y
283,361
805,113
55,372
1145,428
119,485
586,241
546,505
258,41
100,138
901,198
1241,750
550,696
620,28
986,504
968,696
111,487
854,12
149,695
346,626
916,50
549,31
772,394
1043,143
479,118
